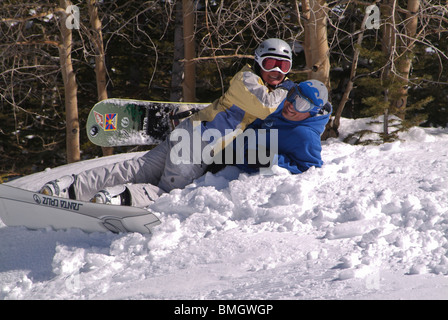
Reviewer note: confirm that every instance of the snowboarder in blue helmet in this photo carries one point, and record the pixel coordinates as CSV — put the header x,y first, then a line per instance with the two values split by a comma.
x,y
298,125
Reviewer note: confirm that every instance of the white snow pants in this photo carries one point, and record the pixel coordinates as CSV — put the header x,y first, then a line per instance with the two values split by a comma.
x,y
149,175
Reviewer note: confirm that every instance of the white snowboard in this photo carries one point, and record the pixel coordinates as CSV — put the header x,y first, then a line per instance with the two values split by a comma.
x,y
19,207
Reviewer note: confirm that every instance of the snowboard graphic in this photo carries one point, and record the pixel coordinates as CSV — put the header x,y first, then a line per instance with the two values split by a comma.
x,y
124,122
19,207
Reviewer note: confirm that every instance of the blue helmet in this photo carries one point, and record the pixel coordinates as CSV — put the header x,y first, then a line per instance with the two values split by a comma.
x,y
308,96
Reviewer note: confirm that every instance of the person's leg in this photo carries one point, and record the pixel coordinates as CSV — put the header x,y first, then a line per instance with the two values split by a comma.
x,y
181,165
159,167
137,195
143,194
147,168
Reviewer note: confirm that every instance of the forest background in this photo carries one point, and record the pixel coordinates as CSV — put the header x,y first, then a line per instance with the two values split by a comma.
x,y
58,58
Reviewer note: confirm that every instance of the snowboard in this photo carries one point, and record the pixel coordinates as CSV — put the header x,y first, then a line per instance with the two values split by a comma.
x,y
19,207
126,122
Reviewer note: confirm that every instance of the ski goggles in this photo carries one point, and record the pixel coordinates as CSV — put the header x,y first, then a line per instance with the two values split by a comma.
x,y
275,64
300,101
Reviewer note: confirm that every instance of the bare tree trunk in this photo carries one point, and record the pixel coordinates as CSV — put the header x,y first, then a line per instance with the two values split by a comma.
x,y
306,15
176,76
388,47
71,88
316,42
405,63
189,84
100,63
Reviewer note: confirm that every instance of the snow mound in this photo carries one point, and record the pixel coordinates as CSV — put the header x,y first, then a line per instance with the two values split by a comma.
x,y
371,223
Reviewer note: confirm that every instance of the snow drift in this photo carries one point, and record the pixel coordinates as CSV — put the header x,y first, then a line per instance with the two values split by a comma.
x,y
371,223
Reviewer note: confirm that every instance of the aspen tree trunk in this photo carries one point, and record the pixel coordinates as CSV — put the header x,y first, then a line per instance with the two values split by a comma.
x,y
70,90
189,83
316,42
405,63
100,63
388,48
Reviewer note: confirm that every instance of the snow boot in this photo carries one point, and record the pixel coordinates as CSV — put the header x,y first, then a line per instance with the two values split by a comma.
x,y
118,195
62,187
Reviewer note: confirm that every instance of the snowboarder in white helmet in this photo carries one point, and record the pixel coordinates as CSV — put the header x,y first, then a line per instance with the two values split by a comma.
x,y
273,61
254,93
273,55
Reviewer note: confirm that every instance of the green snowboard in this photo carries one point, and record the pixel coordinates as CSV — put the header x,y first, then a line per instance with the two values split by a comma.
x,y
126,122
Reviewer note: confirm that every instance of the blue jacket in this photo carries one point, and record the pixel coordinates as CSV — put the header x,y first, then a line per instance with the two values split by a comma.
x,y
299,143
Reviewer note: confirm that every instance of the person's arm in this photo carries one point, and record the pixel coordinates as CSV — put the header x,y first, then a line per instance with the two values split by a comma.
x,y
248,92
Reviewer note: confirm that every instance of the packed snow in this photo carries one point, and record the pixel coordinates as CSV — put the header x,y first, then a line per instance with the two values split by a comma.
x,y
372,223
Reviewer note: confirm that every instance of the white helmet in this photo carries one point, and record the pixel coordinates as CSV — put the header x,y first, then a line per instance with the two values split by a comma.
x,y
273,47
